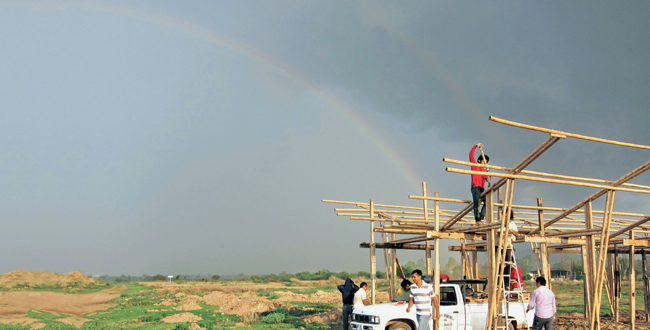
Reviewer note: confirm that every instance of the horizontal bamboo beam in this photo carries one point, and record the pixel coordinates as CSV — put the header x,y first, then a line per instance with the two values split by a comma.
x,y
573,233
368,204
634,225
556,240
430,234
467,248
543,174
627,177
366,245
636,242
531,178
576,136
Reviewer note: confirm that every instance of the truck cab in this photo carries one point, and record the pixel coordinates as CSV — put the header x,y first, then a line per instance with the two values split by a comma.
x,y
460,309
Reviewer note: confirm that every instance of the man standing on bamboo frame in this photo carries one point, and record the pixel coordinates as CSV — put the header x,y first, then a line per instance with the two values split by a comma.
x,y
478,182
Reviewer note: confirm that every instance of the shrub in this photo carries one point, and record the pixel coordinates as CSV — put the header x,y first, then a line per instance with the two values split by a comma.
x,y
158,277
274,317
215,277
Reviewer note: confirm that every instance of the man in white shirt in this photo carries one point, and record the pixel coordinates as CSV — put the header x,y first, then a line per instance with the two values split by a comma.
x,y
360,297
421,296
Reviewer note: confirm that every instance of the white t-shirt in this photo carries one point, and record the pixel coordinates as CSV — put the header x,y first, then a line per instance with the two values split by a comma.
x,y
512,227
359,297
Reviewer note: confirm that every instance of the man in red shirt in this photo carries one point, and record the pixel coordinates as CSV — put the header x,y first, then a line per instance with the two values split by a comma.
x,y
478,183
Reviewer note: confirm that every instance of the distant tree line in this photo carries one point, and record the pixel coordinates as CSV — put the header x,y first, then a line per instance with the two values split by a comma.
x,y
322,274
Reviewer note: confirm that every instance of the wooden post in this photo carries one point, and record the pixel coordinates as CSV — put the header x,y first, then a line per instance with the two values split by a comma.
x,y
617,285
384,238
646,287
373,256
632,285
463,260
590,269
427,251
585,280
598,288
491,286
543,253
393,262
436,242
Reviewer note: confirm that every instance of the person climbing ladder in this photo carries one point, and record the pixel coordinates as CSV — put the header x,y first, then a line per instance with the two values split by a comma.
x,y
478,182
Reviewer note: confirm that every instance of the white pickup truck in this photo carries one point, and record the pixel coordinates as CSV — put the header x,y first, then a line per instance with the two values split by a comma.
x,y
460,309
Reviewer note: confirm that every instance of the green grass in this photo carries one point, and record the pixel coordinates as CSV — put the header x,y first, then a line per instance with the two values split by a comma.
x,y
136,308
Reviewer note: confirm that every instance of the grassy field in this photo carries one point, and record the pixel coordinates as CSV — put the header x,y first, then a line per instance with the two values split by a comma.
x,y
312,305
147,306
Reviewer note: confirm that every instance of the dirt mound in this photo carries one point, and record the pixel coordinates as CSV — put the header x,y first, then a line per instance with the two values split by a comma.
x,y
319,296
244,304
182,317
27,279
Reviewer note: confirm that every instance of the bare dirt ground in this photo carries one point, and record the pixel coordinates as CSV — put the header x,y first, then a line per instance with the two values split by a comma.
x,y
235,298
15,305
26,279
578,321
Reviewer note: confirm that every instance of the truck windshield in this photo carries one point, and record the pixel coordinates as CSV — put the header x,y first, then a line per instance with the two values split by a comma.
x,y
403,297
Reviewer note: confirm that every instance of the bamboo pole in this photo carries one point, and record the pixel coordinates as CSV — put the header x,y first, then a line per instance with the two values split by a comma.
x,y
631,175
646,286
386,266
634,225
632,293
425,207
503,247
558,181
617,286
576,136
373,256
436,270
489,217
543,252
400,268
515,170
609,204
542,174
590,258
585,281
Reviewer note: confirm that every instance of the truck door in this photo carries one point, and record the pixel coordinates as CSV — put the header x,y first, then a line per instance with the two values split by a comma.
x,y
452,310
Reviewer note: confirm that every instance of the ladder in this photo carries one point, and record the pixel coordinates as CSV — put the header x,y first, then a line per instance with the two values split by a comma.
x,y
509,293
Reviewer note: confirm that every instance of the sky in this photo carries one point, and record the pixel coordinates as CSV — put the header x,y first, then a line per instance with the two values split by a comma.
x,y
200,137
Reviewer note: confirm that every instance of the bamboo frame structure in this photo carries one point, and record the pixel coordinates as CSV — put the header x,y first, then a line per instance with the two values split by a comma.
x,y
594,234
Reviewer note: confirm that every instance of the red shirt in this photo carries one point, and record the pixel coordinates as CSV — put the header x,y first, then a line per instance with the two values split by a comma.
x,y
515,273
477,180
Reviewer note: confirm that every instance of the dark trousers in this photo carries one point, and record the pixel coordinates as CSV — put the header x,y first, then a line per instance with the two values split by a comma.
x,y
538,323
476,198
347,316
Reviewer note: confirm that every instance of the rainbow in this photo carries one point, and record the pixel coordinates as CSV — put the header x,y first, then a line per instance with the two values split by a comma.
x,y
333,102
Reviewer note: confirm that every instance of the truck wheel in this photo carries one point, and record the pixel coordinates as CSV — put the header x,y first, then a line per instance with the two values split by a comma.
x,y
399,326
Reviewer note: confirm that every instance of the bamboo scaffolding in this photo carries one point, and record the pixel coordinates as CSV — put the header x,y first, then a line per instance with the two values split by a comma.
x,y
515,170
531,178
600,232
631,175
542,174
577,136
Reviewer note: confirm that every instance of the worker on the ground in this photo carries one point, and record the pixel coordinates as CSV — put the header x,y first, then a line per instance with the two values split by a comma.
x,y
360,298
347,294
543,301
478,183
422,296
512,233
406,285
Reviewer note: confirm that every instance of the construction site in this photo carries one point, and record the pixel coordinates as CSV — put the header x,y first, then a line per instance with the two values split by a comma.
x,y
602,237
